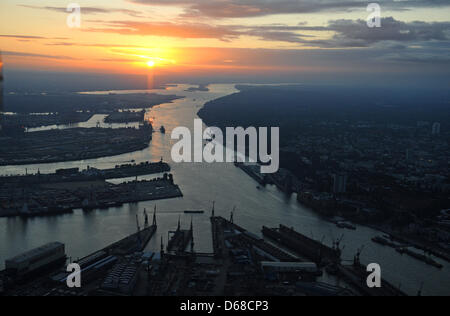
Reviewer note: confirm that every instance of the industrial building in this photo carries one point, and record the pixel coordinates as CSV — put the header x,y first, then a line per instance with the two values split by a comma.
x,y
36,260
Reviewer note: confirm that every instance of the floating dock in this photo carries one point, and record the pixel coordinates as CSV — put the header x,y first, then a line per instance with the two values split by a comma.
x,y
257,242
304,246
180,239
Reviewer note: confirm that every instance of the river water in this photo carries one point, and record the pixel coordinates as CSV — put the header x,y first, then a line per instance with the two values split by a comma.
x,y
201,183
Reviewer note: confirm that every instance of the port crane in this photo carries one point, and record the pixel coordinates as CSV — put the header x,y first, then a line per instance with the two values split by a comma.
x,y
337,243
146,218
232,215
357,259
419,293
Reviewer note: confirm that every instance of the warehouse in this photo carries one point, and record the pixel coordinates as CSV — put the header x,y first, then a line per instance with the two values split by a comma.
x,y
36,260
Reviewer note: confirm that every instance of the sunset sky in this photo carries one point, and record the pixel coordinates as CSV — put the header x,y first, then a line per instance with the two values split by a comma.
x,y
256,37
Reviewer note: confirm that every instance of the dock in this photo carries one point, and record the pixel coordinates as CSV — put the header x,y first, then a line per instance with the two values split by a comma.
x,y
302,245
180,239
357,277
222,227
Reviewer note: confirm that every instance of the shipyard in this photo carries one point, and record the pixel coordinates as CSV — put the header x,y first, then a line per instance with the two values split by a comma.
x,y
241,264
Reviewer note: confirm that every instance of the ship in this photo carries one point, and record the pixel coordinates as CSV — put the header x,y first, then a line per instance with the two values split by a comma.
x,y
420,257
381,241
194,212
386,241
345,225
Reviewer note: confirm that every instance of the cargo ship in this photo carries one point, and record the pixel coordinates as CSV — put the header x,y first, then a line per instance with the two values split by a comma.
x,y
384,241
345,225
194,212
420,257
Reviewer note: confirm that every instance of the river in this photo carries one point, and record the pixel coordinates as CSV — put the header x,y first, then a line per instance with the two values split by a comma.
x,y
202,183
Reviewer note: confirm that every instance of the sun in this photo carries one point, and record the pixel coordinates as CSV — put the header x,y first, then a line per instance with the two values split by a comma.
x,y
151,63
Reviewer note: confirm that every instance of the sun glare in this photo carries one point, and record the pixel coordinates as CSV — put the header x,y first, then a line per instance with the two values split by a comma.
x,y
151,63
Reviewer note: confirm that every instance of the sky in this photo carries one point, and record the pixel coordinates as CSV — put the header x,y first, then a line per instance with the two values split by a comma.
x,y
290,39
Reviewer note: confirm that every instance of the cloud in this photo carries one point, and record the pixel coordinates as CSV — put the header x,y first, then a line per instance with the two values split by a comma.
x,y
32,55
94,45
255,8
168,29
346,33
87,10
350,33
22,36
30,37
419,57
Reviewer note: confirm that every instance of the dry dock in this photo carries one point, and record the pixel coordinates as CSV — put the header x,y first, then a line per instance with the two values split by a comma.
x,y
222,226
304,246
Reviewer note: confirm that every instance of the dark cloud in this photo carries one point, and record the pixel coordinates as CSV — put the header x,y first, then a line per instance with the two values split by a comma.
x,y
357,32
254,8
346,33
22,36
28,38
87,10
419,57
32,55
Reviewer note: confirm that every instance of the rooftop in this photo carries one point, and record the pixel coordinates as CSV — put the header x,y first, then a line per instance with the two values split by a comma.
x,y
35,252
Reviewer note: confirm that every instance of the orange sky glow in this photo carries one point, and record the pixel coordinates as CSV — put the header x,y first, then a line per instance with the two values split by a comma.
x,y
178,36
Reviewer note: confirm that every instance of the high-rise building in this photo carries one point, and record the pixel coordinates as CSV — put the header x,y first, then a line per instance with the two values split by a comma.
x,y
436,130
340,183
